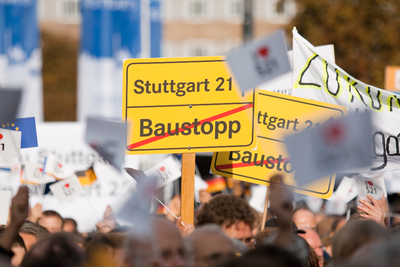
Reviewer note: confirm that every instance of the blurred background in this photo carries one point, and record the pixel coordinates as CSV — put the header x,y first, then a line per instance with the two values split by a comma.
x,y
83,42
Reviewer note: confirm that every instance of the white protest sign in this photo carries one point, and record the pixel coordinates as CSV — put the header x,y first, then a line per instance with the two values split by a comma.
x,y
166,171
66,141
108,138
337,145
314,203
283,84
370,184
345,192
257,199
316,77
259,61
67,189
56,167
136,210
10,143
5,200
138,175
33,173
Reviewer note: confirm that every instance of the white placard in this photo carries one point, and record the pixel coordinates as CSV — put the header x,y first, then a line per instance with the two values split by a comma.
x,y
10,143
338,145
67,189
260,61
166,171
5,200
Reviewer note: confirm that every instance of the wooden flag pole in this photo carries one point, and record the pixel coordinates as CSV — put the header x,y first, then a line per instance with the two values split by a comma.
x,y
264,217
187,193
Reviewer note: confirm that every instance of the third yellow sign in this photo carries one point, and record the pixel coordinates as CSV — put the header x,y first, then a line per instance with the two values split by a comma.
x,y
278,115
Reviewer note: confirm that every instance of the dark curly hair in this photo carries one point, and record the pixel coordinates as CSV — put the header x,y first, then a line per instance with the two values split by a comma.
x,y
225,210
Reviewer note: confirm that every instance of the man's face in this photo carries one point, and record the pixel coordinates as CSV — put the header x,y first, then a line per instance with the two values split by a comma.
x,y
314,241
165,249
305,219
51,223
170,244
240,231
29,240
210,249
69,227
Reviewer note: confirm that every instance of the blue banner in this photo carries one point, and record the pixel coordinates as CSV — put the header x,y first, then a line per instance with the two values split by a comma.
x,y
111,32
20,55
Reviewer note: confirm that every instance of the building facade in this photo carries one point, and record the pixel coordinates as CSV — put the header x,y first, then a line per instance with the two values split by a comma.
x,y
190,27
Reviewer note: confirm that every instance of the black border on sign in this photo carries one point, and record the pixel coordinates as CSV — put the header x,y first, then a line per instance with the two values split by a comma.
x,y
275,140
191,147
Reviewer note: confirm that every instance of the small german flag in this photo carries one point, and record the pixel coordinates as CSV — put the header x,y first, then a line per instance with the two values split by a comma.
x,y
86,177
216,184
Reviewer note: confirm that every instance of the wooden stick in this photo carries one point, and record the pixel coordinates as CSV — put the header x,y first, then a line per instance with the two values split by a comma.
x,y
187,194
264,217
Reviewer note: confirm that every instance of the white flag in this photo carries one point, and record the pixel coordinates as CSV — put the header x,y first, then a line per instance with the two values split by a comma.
x,y
260,61
57,168
345,192
108,139
10,143
338,145
137,209
166,171
370,184
67,189
33,174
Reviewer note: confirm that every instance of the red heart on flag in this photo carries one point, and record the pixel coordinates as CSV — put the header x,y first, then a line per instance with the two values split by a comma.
x,y
263,51
370,183
162,169
1,136
59,165
66,185
334,133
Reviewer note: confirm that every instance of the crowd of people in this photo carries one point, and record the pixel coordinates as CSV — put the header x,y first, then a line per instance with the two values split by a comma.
x,y
227,231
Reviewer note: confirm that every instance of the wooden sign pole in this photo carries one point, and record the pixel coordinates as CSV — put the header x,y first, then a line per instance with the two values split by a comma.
x,y
264,217
187,193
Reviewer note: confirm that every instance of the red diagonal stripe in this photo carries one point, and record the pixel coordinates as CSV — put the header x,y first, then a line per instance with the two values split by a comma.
x,y
239,165
213,118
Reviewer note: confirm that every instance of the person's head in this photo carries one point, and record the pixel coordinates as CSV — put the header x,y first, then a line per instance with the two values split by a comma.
x,y
382,254
52,221
32,233
60,249
304,219
312,260
353,236
70,225
18,248
314,241
210,246
264,234
232,214
111,244
161,245
265,256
